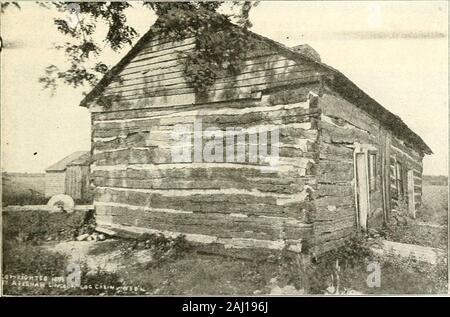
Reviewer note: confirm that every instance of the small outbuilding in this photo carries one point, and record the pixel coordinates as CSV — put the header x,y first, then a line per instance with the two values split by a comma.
x,y
69,176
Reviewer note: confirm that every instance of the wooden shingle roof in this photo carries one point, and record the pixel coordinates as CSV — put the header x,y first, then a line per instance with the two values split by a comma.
x,y
76,158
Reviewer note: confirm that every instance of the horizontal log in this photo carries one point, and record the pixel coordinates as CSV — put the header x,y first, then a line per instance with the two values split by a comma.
x,y
260,119
218,225
196,199
147,54
334,134
162,71
201,177
338,190
289,96
221,119
175,74
406,160
335,171
142,103
223,92
147,67
150,62
300,147
171,99
195,183
304,161
169,65
236,247
336,151
187,115
333,236
332,202
337,107
406,149
159,84
135,81
131,114
249,72
343,222
323,215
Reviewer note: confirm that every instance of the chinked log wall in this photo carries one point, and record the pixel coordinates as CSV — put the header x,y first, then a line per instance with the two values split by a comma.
x,y
410,160
342,125
138,187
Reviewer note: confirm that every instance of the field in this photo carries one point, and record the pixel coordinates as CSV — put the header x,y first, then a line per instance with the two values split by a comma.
x,y
23,189
435,204
42,244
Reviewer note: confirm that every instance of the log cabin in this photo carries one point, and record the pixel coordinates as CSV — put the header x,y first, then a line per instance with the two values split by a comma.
x,y
344,161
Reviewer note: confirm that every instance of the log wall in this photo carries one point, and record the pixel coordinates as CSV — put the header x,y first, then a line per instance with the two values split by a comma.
x,y
409,159
342,127
140,189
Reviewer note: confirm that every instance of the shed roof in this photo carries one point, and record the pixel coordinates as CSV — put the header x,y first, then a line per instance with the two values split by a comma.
x,y
339,81
76,158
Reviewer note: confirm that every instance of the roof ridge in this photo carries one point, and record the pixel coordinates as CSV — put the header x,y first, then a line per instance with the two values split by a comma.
x,y
62,164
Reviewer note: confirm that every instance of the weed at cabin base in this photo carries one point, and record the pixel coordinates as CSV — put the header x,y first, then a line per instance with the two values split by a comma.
x,y
345,270
42,225
163,249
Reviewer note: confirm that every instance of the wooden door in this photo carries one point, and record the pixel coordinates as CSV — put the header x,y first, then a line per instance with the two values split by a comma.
x,y
73,182
411,200
362,189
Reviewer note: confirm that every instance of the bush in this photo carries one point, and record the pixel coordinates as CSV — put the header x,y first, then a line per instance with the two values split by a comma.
x,y
163,248
317,276
30,197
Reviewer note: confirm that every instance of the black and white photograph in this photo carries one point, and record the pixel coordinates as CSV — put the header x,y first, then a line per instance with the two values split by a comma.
x,y
224,148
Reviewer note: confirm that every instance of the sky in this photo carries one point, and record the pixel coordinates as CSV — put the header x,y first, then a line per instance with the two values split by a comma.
x,y
397,52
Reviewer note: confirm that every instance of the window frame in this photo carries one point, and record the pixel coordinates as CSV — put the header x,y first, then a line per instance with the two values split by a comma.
x,y
372,167
399,184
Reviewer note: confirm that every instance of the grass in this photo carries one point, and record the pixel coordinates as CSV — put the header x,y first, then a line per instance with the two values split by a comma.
x,y
398,276
23,262
435,205
433,211
413,233
26,226
200,274
194,273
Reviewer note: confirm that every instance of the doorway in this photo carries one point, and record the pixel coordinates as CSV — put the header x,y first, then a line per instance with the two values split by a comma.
x,y
362,189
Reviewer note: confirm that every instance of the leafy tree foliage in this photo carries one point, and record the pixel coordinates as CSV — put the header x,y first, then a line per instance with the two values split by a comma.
x,y
6,5
220,45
